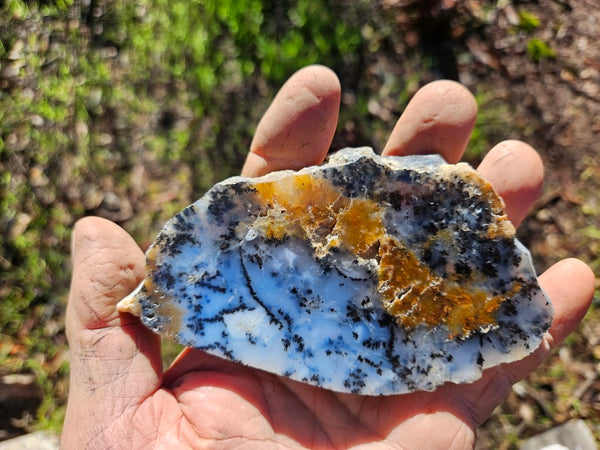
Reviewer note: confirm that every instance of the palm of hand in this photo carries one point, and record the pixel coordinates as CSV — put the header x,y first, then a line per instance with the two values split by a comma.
x,y
229,407
121,398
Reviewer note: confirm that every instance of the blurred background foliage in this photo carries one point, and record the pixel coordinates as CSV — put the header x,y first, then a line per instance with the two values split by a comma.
x,y
131,109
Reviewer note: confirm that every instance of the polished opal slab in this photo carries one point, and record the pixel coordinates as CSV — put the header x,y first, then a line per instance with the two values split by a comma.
x,y
369,275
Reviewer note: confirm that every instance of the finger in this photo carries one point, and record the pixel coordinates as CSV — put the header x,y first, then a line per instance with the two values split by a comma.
x,y
516,172
439,119
111,354
570,287
298,127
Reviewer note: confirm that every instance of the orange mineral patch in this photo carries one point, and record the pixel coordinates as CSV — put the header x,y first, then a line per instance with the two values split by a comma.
x,y
415,295
167,306
311,208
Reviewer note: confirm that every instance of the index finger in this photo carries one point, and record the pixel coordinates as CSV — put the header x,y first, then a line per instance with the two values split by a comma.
x,y
298,127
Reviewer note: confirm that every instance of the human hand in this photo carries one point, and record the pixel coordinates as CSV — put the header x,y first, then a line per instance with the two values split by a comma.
x,y
121,398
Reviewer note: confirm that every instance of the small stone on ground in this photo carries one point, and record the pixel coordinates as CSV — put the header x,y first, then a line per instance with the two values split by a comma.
x,y
40,440
571,435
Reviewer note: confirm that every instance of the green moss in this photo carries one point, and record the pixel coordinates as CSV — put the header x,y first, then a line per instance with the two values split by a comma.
x,y
539,50
528,21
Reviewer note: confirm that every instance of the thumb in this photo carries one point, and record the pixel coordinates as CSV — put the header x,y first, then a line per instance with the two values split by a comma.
x,y
115,360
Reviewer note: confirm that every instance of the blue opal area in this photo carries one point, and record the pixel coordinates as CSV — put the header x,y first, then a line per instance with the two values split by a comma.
x,y
301,305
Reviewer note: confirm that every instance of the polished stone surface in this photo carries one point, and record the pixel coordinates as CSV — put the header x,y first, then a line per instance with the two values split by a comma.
x,y
367,274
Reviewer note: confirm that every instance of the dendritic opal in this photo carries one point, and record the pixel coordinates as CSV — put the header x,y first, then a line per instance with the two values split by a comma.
x,y
371,275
